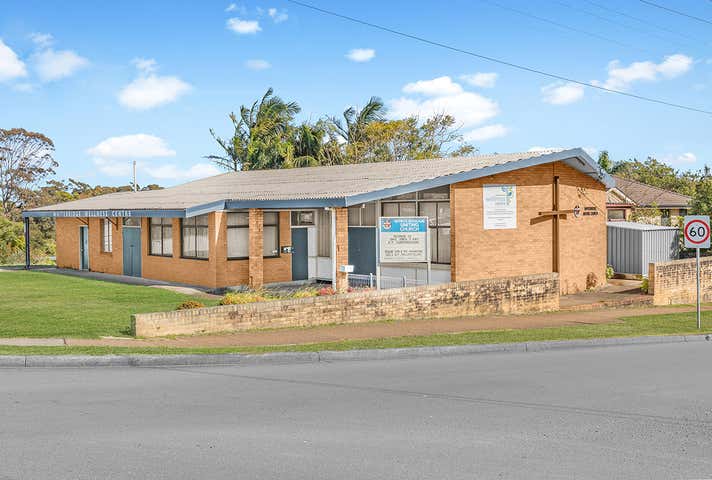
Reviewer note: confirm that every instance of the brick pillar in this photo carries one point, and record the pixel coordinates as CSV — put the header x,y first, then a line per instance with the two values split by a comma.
x,y
218,247
342,247
256,252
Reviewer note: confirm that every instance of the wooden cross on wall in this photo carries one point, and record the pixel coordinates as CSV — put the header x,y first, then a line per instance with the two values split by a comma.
x,y
556,215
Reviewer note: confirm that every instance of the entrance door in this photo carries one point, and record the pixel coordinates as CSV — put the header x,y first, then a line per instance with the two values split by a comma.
x,y
362,249
132,251
84,247
300,254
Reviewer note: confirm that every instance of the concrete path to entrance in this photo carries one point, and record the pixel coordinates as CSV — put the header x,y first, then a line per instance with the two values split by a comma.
x,y
617,293
146,282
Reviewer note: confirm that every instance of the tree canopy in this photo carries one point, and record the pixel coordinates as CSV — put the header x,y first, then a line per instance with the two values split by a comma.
x,y
265,136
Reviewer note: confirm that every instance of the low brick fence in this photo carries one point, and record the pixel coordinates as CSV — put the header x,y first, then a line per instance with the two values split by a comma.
x,y
676,281
531,293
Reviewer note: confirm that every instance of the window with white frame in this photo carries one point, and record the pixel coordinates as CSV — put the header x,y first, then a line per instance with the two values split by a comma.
x,y
238,235
194,237
107,240
161,232
270,232
323,234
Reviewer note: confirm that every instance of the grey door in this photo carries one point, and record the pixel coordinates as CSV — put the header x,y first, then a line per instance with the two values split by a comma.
x,y
132,251
300,254
84,248
362,249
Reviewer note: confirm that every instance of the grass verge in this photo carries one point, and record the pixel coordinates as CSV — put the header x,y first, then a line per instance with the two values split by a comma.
x,y
39,304
662,324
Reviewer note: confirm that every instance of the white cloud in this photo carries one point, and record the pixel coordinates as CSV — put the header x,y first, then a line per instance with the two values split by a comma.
x,y
487,132
150,90
172,171
53,65
42,40
683,158
257,64
114,156
561,93
10,64
361,54
437,87
230,8
621,77
145,65
278,16
469,109
139,145
243,27
480,79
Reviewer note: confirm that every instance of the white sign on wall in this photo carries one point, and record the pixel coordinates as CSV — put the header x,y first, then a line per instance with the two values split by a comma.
x,y
500,206
402,239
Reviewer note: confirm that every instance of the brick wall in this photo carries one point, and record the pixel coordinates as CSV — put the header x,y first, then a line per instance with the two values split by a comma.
x,y
479,253
67,238
676,281
342,247
532,293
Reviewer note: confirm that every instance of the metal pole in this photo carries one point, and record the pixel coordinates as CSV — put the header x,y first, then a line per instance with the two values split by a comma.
x,y
378,245
134,176
699,317
27,243
429,247
334,267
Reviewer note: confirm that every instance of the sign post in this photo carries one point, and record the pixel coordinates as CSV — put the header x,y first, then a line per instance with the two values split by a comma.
x,y
403,240
697,235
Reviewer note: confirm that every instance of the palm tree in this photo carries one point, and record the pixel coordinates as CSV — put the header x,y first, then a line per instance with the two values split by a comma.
x,y
356,120
235,148
262,136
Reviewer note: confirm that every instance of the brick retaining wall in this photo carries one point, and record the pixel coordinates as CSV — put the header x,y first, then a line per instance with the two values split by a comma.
x,y
530,293
676,281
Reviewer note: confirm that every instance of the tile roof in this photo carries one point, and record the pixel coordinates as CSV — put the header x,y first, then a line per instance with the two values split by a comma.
x,y
341,185
645,195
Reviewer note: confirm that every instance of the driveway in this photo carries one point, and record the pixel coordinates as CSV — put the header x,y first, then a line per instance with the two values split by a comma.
x,y
616,412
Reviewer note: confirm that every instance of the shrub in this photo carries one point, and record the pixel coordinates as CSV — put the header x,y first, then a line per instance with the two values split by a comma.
x,y
189,304
609,272
326,291
239,298
644,286
305,293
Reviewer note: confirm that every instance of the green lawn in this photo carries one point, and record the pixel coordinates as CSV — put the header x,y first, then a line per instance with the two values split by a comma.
x,y
665,324
37,304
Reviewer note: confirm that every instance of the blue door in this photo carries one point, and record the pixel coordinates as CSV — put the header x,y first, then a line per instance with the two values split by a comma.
x,y
300,254
132,251
84,248
362,249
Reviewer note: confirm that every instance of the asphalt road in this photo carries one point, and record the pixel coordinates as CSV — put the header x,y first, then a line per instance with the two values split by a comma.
x,y
617,412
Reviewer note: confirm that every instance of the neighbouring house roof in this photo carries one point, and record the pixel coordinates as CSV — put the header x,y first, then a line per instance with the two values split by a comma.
x,y
327,186
616,198
644,195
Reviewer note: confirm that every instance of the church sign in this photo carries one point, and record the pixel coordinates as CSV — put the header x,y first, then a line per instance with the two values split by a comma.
x,y
403,240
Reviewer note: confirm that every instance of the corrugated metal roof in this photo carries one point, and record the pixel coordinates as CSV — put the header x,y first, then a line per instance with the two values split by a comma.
x,y
340,182
645,195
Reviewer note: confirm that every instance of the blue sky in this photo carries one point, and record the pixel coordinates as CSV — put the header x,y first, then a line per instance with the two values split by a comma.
x,y
115,81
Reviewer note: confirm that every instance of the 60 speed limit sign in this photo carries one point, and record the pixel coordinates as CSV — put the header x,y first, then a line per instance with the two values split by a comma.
x,y
697,231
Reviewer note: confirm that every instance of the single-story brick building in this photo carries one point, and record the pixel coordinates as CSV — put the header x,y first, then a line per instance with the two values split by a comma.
x,y
489,216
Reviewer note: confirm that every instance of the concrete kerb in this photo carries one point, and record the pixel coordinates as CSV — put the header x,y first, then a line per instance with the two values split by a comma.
x,y
280,358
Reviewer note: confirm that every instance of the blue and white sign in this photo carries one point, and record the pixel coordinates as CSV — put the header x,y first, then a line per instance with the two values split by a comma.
x,y
403,240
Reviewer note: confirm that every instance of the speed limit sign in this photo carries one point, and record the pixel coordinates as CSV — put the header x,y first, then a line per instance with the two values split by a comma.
x,y
697,231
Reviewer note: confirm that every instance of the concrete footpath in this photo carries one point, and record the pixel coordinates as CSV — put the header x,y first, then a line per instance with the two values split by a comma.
x,y
278,358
